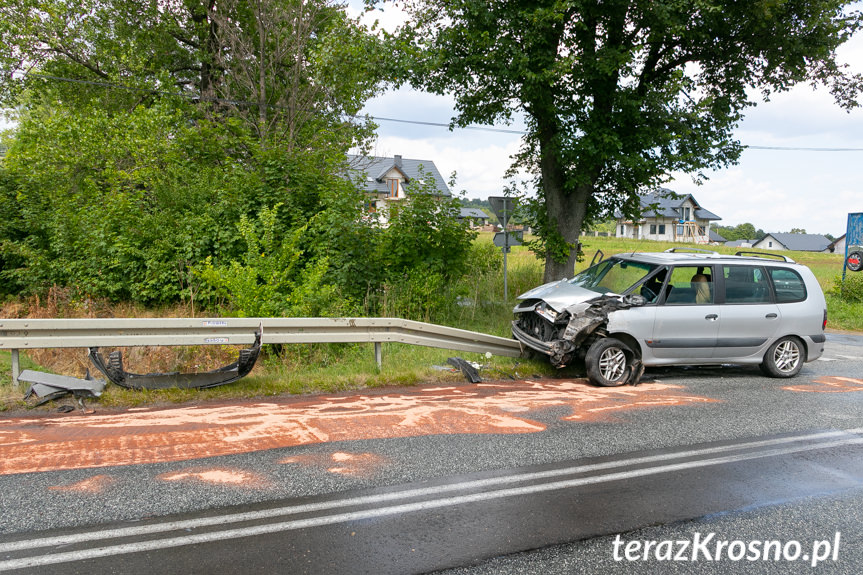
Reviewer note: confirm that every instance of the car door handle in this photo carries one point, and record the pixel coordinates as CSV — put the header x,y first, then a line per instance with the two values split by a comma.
x,y
771,316
711,317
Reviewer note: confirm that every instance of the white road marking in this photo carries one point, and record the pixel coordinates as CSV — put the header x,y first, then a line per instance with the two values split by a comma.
x,y
847,438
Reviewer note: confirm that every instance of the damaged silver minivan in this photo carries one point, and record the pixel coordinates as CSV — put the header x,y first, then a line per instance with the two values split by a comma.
x,y
683,306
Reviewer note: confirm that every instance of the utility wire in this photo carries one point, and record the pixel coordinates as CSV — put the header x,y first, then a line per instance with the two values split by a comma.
x,y
383,119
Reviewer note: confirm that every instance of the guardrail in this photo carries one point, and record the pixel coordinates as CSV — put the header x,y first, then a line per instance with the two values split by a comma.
x,y
18,334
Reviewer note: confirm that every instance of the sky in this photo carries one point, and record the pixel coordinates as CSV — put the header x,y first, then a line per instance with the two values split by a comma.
x,y
775,190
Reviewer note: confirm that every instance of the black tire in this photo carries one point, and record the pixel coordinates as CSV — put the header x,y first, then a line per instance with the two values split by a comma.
x,y
855,261
785,358
608,362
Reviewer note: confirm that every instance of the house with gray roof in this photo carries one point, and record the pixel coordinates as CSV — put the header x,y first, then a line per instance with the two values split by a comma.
x,y
794,242
394,179
740,243
668,216
475,216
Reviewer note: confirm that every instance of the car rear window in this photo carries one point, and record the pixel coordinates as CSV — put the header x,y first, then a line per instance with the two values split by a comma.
x,y
788,284
746,284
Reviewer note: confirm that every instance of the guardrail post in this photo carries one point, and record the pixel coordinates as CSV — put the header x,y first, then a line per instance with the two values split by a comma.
x,y
378,358
16,367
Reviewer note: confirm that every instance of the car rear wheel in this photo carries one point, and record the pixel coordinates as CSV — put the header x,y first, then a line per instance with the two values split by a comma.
x,y
784,358
608,362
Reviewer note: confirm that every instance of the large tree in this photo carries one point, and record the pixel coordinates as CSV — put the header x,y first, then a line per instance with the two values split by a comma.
x,y
146,129
619,93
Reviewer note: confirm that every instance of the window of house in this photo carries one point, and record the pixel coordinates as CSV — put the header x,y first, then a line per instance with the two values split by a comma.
x,y
653,229
686,214
393,184
662,229
622,230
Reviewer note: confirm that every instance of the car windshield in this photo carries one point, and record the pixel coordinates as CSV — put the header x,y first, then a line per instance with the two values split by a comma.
x,y
612,275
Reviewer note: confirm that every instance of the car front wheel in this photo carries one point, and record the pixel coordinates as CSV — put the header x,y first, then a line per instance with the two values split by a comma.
x,y
784,358
608,362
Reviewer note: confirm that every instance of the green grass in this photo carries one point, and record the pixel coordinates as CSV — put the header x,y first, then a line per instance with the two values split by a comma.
x,y
11,396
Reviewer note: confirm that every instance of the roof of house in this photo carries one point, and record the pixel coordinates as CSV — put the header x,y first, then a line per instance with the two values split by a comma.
x,y
667,203
473,213
802,242
739,243
370,172
715,237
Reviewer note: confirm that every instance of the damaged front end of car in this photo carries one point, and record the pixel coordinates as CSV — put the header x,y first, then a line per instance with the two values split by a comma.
x,y
564,334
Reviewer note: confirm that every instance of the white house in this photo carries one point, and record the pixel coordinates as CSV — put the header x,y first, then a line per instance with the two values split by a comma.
x,y
838,245
795,242
387,180
670,217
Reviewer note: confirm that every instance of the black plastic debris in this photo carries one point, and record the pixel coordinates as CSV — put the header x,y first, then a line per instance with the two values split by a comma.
x,y
466,368
115,372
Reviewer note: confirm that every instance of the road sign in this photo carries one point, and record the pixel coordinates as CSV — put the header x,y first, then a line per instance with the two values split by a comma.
x,y
504,239
853,243
502,207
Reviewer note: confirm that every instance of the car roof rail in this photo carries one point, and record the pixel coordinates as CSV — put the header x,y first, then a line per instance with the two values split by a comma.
x,y
697,250
766,255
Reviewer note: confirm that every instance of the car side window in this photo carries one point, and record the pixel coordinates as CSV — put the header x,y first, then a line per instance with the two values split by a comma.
x,y
788,284
651,288
690,285
746,284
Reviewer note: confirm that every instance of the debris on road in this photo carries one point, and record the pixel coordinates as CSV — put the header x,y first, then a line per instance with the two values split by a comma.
x,y
49,386
468,369
114,371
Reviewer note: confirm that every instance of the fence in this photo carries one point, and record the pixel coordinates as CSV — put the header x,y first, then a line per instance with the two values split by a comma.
x,y
18,334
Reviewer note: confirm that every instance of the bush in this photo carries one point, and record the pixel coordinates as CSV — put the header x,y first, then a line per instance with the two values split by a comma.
x,y
851,290
274,279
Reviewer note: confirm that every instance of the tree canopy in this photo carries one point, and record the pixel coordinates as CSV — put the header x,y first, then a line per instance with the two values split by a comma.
x,y
619,93
169,150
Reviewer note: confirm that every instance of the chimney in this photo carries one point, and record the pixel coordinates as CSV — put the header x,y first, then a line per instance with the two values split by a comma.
x,y
398,161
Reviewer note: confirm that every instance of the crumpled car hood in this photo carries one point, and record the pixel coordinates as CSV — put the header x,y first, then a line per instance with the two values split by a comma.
x,y
559,294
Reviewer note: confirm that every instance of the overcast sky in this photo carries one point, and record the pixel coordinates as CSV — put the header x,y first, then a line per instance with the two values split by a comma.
x,y
775,190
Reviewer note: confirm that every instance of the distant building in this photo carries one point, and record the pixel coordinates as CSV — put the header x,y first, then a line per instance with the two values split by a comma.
x,y
475,216
838,245
387,180
794,242
716,238
740,243
667,216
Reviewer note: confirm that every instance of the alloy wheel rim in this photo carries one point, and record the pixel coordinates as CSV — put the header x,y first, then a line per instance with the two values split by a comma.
x,y
612,363
787,356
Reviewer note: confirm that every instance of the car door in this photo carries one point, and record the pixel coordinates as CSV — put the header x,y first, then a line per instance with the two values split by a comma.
x,y
749,316
686,324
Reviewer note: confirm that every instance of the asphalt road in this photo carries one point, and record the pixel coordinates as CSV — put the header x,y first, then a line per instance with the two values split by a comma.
x,y
505,477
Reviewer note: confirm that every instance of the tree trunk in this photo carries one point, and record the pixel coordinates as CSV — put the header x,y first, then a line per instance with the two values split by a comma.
x,y
565,210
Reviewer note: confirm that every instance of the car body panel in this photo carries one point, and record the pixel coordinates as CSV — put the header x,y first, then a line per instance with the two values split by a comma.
x,y
682,330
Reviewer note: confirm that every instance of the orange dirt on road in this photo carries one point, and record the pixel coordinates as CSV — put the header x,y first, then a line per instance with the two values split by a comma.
x,y
74,441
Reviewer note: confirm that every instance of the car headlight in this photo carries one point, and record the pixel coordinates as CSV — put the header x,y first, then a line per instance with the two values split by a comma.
x,y
545,311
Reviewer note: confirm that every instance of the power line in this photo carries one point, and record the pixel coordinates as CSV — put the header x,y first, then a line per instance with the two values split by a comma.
x,y
493,129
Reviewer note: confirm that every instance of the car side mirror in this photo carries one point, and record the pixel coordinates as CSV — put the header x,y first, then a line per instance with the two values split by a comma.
x,y
635,300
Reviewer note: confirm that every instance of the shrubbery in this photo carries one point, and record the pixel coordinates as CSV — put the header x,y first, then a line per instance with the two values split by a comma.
x,y
851,290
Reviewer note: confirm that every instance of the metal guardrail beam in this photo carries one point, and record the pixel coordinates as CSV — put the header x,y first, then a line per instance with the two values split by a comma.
x,y
17,334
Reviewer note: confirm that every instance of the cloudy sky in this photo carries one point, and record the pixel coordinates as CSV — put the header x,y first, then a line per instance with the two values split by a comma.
x,y
776,190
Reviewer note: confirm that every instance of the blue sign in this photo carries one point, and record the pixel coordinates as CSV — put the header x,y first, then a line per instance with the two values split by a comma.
x,y
854,244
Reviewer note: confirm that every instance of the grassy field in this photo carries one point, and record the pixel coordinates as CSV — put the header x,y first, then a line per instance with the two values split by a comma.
x,y
333,368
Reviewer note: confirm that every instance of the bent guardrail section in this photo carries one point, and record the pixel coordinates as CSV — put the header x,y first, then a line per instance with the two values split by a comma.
x,y
18,334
